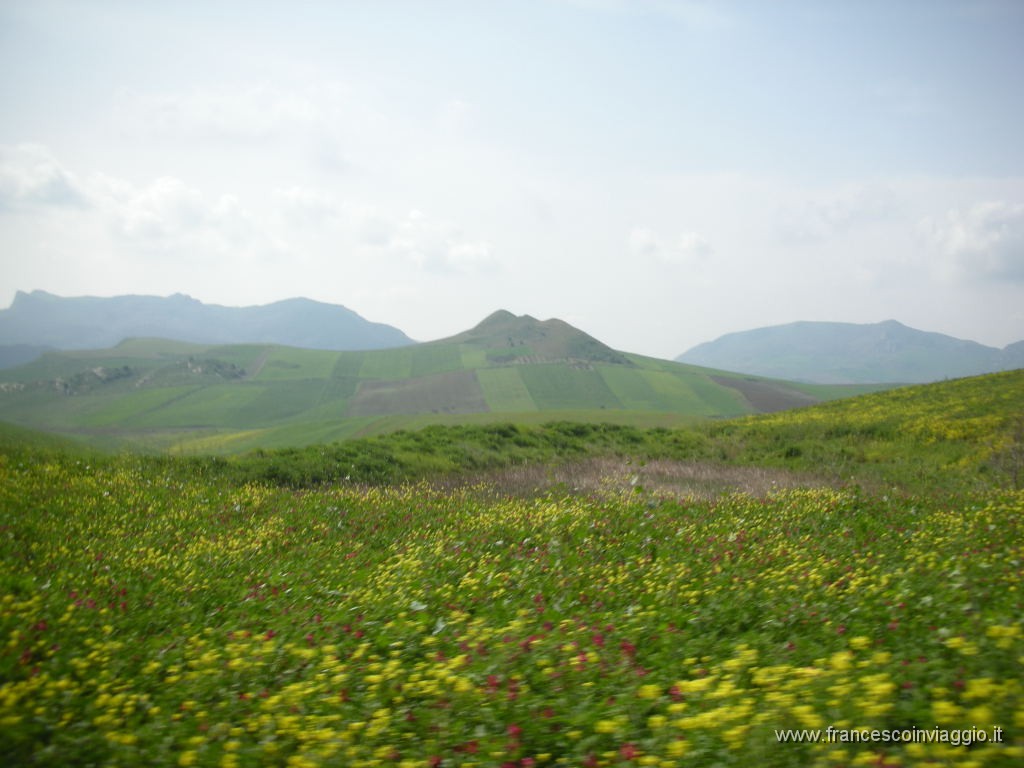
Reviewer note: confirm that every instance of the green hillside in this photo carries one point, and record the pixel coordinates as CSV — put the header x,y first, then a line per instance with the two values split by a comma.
x,y
964,434
167,395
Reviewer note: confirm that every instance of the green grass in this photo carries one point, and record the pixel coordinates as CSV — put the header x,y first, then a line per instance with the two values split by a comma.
x,y
318,606
504,390
348,365
194,611
435,358
287,363
556,387
453,392
129,408
387,364
472,357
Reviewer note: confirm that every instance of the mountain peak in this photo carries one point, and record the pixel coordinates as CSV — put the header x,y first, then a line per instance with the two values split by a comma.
x,y
501,317
28,298
520,338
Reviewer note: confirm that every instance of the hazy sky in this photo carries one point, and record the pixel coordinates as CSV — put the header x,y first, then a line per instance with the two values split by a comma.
x,y
657,173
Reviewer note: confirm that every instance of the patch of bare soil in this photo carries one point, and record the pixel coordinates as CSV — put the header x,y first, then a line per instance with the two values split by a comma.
x,y
766,396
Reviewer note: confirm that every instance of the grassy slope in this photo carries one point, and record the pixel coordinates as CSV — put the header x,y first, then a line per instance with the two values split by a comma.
x,y
163,395
160,612
958,434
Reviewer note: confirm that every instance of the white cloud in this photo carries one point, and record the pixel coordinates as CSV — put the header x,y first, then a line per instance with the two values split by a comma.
x,y
688,247
439,246
413,239
31,177
302,206
691,246
837,212
168,217
644,243
985,240
252,112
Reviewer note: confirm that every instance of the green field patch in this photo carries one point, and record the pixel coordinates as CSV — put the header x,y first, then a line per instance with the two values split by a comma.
x,y
714,399
561,387
126,409
69,412
688,393
213,406
509,354
284,363
670,389
242,355
321,429
217,443
348,365
504,390
435,358
472,356
337,389
242,405
632,388
455,392
387,364
278,401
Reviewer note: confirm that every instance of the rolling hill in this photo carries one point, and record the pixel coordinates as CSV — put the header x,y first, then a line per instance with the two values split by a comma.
x,y
39,320
832,353
161,394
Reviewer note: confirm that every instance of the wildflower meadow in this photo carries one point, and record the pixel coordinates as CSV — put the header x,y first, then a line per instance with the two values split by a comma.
x,y
151,614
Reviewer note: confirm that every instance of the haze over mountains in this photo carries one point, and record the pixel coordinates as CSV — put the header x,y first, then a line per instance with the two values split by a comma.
x,y
816,352
839,353
40,320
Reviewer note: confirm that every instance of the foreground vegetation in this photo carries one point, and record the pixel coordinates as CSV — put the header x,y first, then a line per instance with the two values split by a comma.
x,y
198,612
962,434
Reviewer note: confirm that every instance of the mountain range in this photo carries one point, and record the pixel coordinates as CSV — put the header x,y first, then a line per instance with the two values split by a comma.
x,y
841,353
39,320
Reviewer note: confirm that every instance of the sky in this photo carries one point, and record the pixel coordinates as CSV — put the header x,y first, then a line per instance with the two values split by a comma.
x,y
656,173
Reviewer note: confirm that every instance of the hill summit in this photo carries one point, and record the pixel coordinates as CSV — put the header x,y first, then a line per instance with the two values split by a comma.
x,y
510,338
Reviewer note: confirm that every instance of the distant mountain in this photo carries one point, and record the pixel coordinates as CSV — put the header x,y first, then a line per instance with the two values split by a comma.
x,y
161,394
19,354
40,319
836,353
